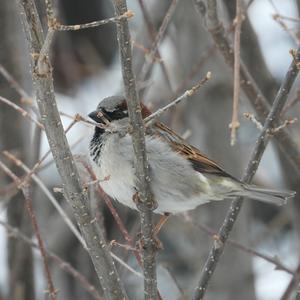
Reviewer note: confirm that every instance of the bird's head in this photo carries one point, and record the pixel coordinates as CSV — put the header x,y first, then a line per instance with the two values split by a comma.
x,y
114,108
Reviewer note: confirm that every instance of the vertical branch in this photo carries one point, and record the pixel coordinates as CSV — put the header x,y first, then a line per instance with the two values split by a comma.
x,y
236,75
30,210
73,189
260,146
146,203
292,286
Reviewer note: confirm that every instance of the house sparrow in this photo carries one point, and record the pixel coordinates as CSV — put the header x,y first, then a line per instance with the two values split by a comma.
x,y
182,178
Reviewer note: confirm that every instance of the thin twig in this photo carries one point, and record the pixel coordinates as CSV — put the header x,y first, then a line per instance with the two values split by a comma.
x,y
252,118
37,165
153,117
49,195
14,84
152,33
297,20
22,111
280,21
260,146
291,103
235,124
275,130
292,285
146,68
65,266
214,234
126,15
146,202
74,191
30,210
195,69
145,50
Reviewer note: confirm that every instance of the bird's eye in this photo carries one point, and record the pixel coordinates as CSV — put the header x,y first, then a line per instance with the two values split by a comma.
x,y
115,115
118,114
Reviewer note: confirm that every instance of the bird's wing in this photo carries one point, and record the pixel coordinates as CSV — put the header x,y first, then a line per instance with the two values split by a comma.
x,y
200,162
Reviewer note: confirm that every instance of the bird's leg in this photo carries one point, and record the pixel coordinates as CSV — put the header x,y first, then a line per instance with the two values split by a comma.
x,y
158,244
162,221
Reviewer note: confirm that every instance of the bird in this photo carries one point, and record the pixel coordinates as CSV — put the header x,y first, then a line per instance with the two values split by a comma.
x,y
182,178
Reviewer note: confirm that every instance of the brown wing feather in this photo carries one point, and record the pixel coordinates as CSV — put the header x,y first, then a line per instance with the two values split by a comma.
x,y
200,162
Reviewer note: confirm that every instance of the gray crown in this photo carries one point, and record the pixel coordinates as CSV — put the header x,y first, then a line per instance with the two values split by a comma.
x,y
111,103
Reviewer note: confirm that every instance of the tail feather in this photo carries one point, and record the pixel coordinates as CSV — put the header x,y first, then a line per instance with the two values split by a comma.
x,y
268,195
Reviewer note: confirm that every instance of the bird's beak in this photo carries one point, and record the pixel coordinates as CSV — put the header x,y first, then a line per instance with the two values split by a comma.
x,y
96,116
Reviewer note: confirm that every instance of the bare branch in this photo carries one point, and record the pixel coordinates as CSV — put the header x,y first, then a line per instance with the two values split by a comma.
x,y
161,33
278,264
15,233
275,130
152,33
280,21
292,285
297,20
30,210
291,103
37,165
235,124
127,15
14,84
64,216
49,195
74,191
210,51
145,196
22,111
153,117
260,146
252,118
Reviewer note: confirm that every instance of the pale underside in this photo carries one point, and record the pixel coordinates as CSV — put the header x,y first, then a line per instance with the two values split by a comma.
x,y
176,186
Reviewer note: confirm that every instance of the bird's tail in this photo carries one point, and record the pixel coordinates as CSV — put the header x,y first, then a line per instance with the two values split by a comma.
x,y
268,195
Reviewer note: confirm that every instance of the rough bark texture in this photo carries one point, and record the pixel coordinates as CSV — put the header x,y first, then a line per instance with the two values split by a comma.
x,y
146,202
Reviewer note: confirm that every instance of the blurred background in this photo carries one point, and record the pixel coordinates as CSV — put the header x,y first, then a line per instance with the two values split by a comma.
x,y
87,69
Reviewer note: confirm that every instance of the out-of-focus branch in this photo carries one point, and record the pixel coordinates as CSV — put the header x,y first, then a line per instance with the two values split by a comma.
x,y
260,146
73,189
273,260
152,32
15,233
30,210
288,147
14,84
22,111
145,197
292,286
49,195
146,68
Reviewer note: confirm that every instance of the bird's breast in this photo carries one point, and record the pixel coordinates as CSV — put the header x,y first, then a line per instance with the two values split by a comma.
x,y
116,165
